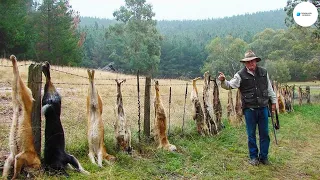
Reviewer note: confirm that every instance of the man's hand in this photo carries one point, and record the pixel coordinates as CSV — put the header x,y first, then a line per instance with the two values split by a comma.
x,y
273,107
221,76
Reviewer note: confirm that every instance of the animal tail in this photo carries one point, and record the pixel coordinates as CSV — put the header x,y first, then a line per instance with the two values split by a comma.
x,y
46,70
194,84
108,157
19,89
15,81
91,75
194,81
93,97
14,65
156,86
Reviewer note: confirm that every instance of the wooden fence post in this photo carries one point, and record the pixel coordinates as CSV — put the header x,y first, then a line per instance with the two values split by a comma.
x,y
308,94
35,84
300,95
169,111
139,111
293,95
146,126
184,107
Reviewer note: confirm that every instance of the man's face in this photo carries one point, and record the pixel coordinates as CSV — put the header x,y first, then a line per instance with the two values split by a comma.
x,y
251,65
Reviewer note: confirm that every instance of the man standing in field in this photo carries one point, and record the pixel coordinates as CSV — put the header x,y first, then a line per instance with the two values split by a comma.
x,y
256,90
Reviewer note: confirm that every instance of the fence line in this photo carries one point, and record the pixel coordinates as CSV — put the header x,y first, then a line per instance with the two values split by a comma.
x,y
17,65
107,79
74,106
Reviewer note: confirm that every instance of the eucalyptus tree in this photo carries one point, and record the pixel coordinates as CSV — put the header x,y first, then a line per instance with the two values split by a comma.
x,y
224,55
296,46
134,43
278,70
311,69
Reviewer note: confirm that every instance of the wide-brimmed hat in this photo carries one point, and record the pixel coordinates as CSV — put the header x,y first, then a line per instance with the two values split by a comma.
x,y
249,56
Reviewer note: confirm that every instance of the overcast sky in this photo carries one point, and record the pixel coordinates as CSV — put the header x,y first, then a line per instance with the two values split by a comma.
x,y
180,9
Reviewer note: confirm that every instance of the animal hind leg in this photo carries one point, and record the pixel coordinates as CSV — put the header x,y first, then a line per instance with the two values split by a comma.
x,y
28,159
91,156
20,160
7,165
100,157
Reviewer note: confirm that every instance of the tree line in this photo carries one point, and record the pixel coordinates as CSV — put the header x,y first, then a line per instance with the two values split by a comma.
x,y
41,32
134,41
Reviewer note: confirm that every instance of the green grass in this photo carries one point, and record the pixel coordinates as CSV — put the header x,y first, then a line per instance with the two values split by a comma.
x,y
225,156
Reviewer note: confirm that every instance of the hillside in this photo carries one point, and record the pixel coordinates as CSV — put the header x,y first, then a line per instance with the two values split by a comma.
x,y
183,46
252,23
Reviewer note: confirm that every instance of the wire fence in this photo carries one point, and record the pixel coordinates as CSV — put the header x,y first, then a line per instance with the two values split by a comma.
x,y
72,84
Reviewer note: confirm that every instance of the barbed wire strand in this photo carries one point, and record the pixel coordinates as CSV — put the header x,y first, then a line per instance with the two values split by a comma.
x,y
17,65
106,79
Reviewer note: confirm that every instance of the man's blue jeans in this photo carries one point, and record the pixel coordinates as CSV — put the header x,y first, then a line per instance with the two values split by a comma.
x,y
254,117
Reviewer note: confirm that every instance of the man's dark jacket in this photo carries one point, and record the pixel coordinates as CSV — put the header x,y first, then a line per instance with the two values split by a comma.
x,y
254,89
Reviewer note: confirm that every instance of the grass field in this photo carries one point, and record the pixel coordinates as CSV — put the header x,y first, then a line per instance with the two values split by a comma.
x,y
220,157
224,156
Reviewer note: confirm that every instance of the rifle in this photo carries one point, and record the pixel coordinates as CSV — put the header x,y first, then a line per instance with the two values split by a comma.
x,y
275,124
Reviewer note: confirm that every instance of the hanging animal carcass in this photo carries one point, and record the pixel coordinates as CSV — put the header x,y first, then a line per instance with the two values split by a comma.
x,y
95,125
160,127
207,106
217,108
122,126
22,150
197,113
55,157
231,113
